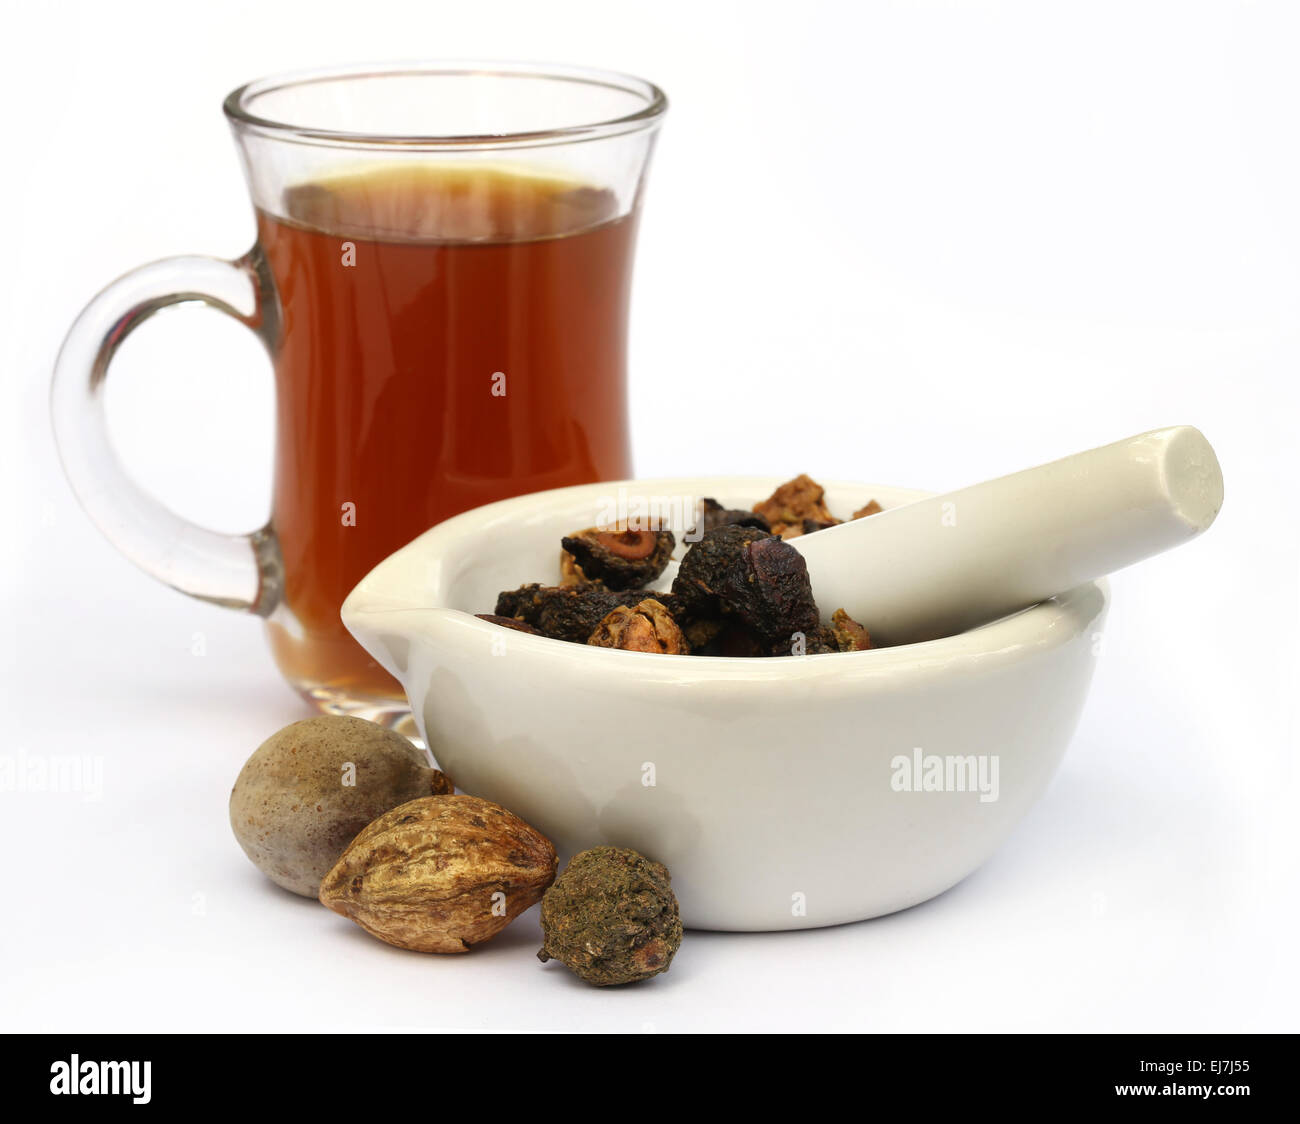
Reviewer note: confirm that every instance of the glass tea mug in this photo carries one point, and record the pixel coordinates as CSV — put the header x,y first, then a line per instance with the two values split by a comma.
x,y
441,278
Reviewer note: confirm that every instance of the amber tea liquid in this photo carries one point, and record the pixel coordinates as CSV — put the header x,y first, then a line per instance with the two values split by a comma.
x,y
447,338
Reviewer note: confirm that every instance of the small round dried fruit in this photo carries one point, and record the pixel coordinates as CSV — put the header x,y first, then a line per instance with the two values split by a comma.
x,y
611,917
646,628
307,790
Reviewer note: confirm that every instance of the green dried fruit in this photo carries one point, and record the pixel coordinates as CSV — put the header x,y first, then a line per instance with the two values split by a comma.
x,y
611,917
307,791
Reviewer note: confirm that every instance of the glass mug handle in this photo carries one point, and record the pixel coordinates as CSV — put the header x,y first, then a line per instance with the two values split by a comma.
x,y
236,571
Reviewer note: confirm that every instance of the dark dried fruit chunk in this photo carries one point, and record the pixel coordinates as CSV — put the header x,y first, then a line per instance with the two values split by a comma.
x,y
508,622
570,612
611,917
622,559
740,589
767,587
706,566
701,635
713,515
793,502
645,628
738,641
725,636
523,603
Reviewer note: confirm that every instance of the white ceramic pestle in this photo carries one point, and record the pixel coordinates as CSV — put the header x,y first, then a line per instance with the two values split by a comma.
x,y
945,564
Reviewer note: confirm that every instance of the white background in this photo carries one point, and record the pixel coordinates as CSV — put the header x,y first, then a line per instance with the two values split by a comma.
x,y
916,243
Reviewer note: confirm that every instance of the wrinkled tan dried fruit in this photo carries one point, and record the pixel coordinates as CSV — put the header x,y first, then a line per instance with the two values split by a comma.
x,y
849,636
440,874
793,502
647,628
307,790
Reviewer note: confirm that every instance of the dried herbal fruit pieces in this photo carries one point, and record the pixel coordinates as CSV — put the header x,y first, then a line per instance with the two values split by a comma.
x,y
621,558
793,502
611,918
523,603
736,640
729,597
702,635
843,634
570,612
646,628
706,566
849,636
753,587
768,589
714,515
440,874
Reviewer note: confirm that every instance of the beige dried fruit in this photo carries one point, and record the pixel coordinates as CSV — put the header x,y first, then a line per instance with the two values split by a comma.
x,y
647,628
307,790
440,874
847,634
793,502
